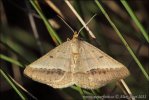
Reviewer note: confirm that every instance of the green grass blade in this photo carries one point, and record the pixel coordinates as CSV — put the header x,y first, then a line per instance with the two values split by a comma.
x,y
9,59
84,91
53,34
135,19
12,84
81,92
21,87
123,40
14,50
95,94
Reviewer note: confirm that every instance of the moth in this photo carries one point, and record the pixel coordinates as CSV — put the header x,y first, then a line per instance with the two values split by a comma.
x,y
76,62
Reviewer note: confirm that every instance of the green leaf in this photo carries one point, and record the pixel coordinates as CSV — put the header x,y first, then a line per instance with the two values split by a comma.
x,y
22,96
21,87
53,34
9,59
14,50
135,19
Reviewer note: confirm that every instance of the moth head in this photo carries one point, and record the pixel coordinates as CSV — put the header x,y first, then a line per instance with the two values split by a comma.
x,y
75,35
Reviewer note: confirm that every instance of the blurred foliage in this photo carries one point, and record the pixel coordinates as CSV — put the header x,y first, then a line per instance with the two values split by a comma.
x,y
25,28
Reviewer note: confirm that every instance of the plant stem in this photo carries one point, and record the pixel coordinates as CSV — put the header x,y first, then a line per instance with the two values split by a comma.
x,y
80,19
9,59
122,39
13,86
135,19
53,34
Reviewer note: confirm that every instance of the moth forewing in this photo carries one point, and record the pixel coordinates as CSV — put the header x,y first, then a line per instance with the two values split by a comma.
x,y
53,68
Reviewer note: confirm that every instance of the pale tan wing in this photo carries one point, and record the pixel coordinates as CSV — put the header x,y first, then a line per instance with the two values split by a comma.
x,y
95,68
53,68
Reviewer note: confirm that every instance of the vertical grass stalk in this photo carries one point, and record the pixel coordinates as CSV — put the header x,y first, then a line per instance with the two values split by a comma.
x,y
135,19
53,34
122,39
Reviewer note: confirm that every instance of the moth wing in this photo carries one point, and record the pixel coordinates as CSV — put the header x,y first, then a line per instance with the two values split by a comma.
x,y
53,68
94,68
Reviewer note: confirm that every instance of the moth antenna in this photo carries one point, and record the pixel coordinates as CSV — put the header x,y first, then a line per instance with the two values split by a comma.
x,y
86,24
66,23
